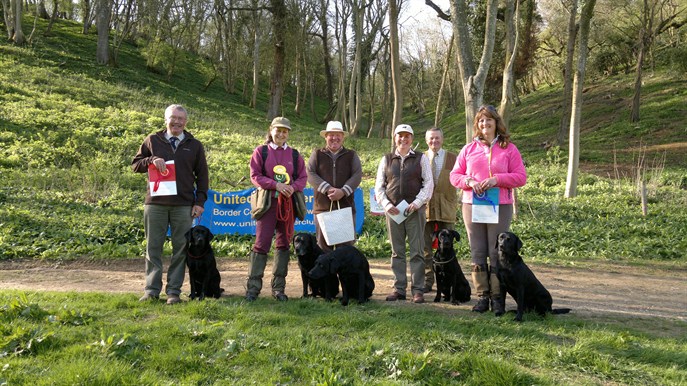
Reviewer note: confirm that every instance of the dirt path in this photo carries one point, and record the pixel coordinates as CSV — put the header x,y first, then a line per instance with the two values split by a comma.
x,y
609,290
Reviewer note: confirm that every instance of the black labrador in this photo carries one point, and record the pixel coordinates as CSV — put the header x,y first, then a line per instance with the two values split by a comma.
x,y
202,266
519,280
307,250
451,282
353,270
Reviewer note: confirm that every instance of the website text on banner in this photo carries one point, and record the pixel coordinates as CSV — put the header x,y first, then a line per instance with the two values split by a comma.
x,y
229,213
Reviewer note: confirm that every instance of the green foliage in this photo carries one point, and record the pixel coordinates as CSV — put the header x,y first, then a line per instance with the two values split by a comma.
x,y
69,129
307,341
678,59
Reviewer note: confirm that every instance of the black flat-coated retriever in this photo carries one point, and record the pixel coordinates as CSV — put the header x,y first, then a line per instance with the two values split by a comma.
x,y
353,270
451,282
202,266
519,280
307,250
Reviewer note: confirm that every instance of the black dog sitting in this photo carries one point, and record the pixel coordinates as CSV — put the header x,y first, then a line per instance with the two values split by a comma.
x,y
307,250
451,281
353,270
519,280
202,266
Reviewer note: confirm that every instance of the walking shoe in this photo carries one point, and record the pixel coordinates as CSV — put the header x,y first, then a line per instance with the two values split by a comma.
x,y
498,305
280,296
148,297
482,305
418,298
395,296
173,299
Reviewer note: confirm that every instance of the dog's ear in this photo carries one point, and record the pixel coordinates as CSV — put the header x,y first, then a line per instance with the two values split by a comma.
x,y
456,235
210,235
518,243
435,234
333,263
188,234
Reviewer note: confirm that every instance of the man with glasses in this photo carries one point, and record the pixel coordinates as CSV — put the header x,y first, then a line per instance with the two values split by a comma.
x,y
175,211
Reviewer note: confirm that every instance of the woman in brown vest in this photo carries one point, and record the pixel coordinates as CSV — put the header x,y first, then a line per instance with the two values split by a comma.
x,y
404,180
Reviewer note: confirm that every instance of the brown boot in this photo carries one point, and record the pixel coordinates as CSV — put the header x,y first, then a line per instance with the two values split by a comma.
x,y
480,278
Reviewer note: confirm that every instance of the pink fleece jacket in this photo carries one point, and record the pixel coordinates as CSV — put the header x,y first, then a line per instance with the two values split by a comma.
x,y
506,164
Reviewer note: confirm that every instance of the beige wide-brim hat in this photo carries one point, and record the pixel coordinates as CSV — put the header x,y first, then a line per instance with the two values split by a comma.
x,y
280,122
333,127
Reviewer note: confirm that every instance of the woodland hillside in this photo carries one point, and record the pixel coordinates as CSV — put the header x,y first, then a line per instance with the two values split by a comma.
x,y
69,128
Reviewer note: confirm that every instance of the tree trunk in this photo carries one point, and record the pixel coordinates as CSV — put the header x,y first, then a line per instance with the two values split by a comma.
x,y
512,21
122,30
279,25
396,77
568,75
86,15
438,113
7,8
353,85
103,12
342,43
18,38
578,84
53,17
41,11
634,114
256,58
324,6
299,82
472,79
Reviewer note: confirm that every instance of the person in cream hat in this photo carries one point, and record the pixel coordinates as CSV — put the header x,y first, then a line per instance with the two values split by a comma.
x,y
334,172
333,127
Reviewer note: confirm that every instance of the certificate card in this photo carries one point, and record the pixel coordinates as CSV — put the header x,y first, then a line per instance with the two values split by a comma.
x,y
485,207
401,216
162,184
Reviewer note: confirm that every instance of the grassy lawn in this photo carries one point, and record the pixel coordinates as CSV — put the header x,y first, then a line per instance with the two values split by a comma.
x,y
105,339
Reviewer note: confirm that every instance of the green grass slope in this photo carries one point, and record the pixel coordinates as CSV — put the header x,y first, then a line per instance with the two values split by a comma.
x,y
69,129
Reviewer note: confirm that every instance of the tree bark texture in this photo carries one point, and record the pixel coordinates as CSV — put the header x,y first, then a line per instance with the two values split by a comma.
x,y
279,24
578,84
103,12
563,126
512,20
472,79
18,38
394,9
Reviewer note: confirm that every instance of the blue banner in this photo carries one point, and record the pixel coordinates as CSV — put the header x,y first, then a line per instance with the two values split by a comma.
x,y
229,213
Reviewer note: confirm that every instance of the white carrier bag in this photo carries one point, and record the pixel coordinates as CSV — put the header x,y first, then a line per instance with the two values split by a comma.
x,y
336,225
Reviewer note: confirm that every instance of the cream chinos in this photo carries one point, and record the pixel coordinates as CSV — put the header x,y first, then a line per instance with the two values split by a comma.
x,y
413,229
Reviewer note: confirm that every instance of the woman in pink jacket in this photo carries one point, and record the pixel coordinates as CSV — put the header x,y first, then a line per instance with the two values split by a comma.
x,y
487,170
